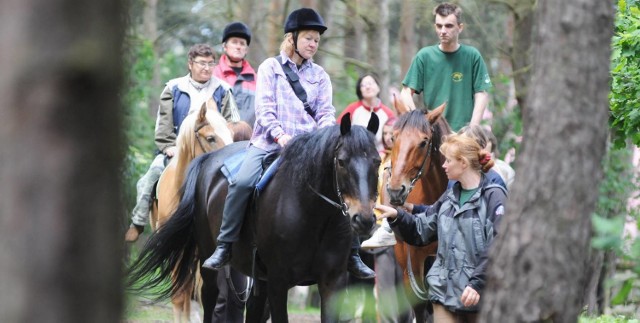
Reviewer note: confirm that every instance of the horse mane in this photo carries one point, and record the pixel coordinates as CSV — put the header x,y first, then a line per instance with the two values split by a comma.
x,y
308,158
417,119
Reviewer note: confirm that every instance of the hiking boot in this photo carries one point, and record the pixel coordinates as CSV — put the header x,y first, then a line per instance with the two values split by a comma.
x,y
383,237
133,233
357,268
220,257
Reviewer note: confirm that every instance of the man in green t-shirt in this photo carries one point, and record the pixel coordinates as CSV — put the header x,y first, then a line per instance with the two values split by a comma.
x,y
449,73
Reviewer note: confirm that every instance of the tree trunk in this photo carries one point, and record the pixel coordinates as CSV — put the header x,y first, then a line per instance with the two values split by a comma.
x,y
538,260
60,166
377,20
352,41
521,49
407,35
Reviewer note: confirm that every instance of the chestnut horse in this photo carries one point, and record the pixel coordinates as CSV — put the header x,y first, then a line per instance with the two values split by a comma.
x,y
417,177
199,133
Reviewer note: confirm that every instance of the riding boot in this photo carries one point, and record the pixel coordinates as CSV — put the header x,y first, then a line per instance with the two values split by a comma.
x,y
220,257
357,268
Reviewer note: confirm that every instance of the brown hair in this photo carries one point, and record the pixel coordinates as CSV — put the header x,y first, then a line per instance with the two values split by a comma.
x,y
241,130
463,147
445,9
201,50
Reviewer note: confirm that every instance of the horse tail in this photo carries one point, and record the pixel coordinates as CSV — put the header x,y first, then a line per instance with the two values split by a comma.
x,y
171,251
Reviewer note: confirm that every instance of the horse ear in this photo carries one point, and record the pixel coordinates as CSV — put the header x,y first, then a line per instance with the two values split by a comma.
x,y
436,113
374,123
345,124
202,114
399,105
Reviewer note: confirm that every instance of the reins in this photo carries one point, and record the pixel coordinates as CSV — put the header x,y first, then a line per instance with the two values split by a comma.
x,y
342,206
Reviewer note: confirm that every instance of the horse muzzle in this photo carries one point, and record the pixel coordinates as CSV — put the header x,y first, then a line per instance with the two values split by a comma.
x,y
397,197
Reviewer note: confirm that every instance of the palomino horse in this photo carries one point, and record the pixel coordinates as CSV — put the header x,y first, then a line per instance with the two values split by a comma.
x,y
417,177
200,133
322,193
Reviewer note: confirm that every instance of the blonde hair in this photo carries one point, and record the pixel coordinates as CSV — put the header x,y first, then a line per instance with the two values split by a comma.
x,y
464,147
287,43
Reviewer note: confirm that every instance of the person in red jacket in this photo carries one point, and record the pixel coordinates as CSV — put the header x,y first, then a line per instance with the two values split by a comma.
x,y
368,92
234,69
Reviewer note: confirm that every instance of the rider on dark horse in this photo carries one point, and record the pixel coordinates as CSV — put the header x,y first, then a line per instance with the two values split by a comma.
x,y
280,115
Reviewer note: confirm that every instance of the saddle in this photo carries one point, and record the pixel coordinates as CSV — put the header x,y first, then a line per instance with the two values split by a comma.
x,y
270,164
230,167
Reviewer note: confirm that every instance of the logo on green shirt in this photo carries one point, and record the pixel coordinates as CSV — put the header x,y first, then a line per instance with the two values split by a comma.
x,y
456,77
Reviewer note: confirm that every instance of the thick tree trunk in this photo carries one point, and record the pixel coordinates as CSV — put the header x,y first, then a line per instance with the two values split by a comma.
x,y
61,140
537,269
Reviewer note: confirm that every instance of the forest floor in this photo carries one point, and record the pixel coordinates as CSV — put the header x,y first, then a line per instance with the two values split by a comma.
x,y
141,310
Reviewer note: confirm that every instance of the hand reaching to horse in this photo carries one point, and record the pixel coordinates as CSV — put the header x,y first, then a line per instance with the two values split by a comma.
x,y
386,212
469,297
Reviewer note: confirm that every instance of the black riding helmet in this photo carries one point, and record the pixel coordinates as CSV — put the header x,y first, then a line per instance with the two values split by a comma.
x,y
304,19
236,29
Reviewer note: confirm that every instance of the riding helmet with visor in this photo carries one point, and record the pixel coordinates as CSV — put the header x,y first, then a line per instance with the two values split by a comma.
x,y
236,29
304,19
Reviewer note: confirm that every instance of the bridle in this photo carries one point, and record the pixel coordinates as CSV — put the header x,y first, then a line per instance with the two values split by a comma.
x,y
341,205
198,137
419,174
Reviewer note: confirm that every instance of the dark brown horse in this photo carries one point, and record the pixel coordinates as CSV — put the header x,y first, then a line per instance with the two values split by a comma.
x,y
417,177
322,194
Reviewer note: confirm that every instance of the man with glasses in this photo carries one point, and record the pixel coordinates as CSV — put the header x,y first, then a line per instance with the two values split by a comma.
x,y
180,97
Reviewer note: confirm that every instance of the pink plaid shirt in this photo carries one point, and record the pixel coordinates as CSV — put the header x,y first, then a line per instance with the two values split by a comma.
x,y
278,109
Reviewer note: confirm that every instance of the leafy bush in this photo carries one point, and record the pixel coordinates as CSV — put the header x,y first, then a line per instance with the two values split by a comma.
x,y
625,71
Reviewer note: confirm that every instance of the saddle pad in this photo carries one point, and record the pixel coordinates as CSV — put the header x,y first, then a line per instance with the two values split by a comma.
x,y
231,167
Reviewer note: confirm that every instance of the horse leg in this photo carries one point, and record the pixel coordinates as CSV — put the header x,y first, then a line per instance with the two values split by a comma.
x,y
179,301
329,304
277,293
257,304
209,293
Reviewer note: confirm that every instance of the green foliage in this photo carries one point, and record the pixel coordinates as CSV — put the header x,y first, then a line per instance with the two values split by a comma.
x,y
610,218
139,61
344,89
506,124
607,319
625,71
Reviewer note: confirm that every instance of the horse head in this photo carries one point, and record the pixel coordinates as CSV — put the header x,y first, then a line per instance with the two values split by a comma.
x,y
416,145
356,165
210,130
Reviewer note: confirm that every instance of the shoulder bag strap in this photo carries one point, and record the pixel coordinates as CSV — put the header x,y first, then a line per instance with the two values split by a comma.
x,y
294,80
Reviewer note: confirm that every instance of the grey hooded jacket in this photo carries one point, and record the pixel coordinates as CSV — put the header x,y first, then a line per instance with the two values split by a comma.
x,y
464,234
